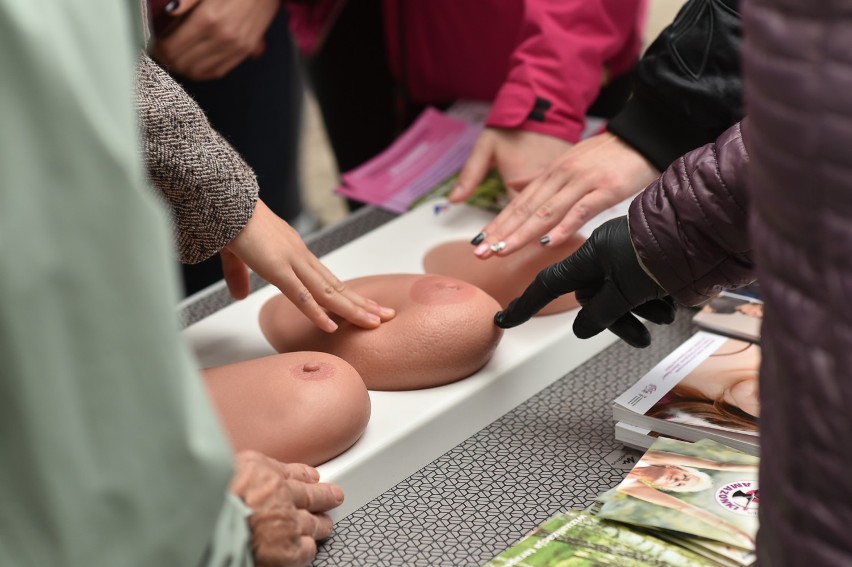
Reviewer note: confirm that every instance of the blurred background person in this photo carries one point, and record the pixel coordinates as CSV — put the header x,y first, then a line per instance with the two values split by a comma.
x,y
373,65
686,91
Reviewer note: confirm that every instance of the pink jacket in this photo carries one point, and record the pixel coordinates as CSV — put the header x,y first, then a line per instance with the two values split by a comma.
x,y
540,62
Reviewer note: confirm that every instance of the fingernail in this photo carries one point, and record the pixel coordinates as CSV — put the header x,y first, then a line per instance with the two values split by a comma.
x,y
478,238
388,312
499,247
481,249
331,326
313,473
172,6
544,240
338,493
455,191
374,319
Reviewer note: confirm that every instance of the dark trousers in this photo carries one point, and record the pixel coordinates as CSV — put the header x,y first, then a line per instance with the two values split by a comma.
x,y
257,108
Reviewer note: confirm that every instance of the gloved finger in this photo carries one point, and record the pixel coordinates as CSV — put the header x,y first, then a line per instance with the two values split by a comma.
x,y
660,311
631,330
522,308
627,327
601,310
577,271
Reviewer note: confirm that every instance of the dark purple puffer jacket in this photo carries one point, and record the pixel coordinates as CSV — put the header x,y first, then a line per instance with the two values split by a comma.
x,y
688,231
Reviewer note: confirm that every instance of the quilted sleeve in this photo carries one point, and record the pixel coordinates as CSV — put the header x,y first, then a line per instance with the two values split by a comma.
x,y
690,227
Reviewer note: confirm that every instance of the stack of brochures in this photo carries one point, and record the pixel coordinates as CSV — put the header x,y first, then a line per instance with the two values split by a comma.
x,y
707,388
682,504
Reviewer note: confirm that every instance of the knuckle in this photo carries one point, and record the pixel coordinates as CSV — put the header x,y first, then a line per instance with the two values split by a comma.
x,y
207,20
582,212
546,212
607,180
305,296
328,289
564,166
559,233
520,210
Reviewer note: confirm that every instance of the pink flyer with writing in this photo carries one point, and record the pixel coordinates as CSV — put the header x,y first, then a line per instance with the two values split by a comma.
x,y
432,149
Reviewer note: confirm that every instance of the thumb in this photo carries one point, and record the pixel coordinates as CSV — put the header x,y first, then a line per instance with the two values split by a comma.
x,y
473,172
236,274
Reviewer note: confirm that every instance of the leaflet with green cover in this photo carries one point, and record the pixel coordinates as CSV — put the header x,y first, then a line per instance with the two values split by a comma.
x,y
578,538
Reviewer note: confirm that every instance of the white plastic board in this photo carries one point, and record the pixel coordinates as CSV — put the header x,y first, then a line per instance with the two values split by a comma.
x,y
408,430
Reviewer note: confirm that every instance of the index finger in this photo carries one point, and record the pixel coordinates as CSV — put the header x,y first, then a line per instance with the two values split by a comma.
x,y
332,294
316,497
297,292
577,271
514,214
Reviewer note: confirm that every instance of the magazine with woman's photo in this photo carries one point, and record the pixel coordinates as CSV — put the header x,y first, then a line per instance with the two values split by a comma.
x,y
706,388
704,489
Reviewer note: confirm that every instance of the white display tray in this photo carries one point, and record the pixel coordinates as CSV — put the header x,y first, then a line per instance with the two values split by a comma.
x,y
408,430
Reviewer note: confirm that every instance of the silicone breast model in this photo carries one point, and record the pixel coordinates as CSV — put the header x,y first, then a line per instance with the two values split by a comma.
x,y
299,407
443,331
502,277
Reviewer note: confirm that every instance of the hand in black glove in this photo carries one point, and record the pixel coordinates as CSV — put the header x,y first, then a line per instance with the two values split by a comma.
x,y
609,283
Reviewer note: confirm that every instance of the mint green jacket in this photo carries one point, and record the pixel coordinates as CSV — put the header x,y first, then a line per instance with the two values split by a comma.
x,y
111,453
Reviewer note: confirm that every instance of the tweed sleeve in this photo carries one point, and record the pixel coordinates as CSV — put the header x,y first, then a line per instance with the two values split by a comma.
x,y
211,192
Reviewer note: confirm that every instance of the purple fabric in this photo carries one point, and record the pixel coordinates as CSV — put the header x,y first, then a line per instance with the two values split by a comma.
x,y
689,227
687,230
798,64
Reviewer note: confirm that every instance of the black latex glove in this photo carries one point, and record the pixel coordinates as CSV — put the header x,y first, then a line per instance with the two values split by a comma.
x,y
609,283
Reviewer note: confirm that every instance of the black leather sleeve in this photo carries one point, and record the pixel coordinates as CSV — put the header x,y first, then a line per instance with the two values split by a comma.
x,y
687,86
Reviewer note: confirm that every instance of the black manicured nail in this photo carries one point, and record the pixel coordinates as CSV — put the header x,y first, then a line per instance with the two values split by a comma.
x,y
478,238
172,6
544,240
